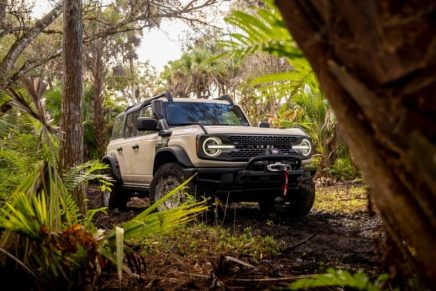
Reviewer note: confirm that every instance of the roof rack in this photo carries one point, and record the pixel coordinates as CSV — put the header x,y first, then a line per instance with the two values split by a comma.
x,y
226,98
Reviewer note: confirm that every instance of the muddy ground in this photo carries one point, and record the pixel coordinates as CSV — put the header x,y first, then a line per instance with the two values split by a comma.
x,y
327,237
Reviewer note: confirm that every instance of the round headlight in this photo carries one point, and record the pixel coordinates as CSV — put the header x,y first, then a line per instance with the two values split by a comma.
x,y
305,147
210,146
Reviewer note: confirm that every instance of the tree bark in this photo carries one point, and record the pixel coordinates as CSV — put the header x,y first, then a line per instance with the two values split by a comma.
x,y
3,4
21,43
72,93
97,68
377,60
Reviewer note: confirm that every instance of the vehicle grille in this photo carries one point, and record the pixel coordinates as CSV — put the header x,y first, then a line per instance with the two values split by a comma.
x,y
248,146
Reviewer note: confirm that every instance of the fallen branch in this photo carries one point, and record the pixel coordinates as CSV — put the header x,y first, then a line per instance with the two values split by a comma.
x,y
303,241
242,263
269,280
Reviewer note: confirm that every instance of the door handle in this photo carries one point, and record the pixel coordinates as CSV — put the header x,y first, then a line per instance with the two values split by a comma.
x,y
135,147
120,149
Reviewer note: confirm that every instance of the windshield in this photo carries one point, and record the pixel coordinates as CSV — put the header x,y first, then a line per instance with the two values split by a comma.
x,y
186,113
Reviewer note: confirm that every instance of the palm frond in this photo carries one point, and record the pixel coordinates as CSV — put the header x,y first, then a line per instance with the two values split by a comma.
x,y
45,181
262,31
149,222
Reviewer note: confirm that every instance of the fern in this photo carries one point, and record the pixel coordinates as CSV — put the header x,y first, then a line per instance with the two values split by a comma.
x,y
83,173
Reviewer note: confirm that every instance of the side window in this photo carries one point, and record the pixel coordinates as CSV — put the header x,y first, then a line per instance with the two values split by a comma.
x,y
117,129
131,124
146,112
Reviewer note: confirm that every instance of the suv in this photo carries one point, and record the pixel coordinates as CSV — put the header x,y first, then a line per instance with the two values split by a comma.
x,y
157,144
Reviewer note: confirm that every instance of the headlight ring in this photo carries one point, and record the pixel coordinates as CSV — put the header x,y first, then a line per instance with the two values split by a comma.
x,y
212,141
305,147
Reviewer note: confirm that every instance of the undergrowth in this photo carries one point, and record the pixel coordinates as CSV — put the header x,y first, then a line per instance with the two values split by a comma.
x,y
203,242
341,199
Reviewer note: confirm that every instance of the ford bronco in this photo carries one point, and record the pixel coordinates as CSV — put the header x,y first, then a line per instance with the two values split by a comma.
x,y
157,144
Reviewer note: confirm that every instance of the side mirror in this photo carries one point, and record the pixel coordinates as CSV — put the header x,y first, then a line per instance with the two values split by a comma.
x,y
146,123
264,124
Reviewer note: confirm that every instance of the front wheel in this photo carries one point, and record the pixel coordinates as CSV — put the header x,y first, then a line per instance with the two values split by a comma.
x,y
166,178
301,200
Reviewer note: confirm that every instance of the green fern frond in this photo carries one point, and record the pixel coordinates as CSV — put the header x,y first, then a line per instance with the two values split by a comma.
x,y
83,173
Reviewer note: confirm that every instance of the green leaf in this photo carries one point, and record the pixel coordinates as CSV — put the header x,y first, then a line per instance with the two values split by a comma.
x,y
277,77
119,238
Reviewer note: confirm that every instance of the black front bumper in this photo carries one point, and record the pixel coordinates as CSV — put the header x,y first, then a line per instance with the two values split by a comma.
x,y
254,180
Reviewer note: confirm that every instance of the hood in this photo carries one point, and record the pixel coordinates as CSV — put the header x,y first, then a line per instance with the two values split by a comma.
x,y
237,130
253,130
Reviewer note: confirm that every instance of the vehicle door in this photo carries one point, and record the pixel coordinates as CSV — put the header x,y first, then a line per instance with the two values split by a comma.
x,y
142,149
117,143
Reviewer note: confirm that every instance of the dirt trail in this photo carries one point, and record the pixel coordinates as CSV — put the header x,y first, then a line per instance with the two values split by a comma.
x,y
317,241
310,245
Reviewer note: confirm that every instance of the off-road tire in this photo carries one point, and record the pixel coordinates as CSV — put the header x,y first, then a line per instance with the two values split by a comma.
x,y
301,200
167,177
118,197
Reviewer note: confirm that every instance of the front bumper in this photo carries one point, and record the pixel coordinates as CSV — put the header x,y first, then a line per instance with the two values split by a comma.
x,y
254,180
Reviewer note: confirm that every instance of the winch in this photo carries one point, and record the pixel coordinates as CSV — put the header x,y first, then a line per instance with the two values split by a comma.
x,y
278,167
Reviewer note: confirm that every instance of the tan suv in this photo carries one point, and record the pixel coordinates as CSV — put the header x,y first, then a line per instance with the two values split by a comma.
x,y
157,144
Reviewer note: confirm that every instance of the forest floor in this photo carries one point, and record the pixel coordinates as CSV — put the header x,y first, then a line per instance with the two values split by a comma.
x,y
247,249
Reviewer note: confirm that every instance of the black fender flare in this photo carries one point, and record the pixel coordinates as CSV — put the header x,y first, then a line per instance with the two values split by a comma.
x,y
112,161
177,152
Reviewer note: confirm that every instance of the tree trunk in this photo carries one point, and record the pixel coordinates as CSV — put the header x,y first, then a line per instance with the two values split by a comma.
x,y
376,62
136,98
3,4
97,69
72,93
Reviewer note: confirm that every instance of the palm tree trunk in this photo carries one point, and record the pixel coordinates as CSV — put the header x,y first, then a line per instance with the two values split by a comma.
x,y
72,93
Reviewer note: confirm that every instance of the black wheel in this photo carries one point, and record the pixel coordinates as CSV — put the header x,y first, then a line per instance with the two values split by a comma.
x,y
301,200
118,197
166,178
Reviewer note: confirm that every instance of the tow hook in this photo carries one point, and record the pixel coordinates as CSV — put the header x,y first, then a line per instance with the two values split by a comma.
x,y
278,167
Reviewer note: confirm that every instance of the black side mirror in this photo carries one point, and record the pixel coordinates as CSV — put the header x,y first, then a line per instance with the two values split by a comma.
x,y
146,123
264,124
